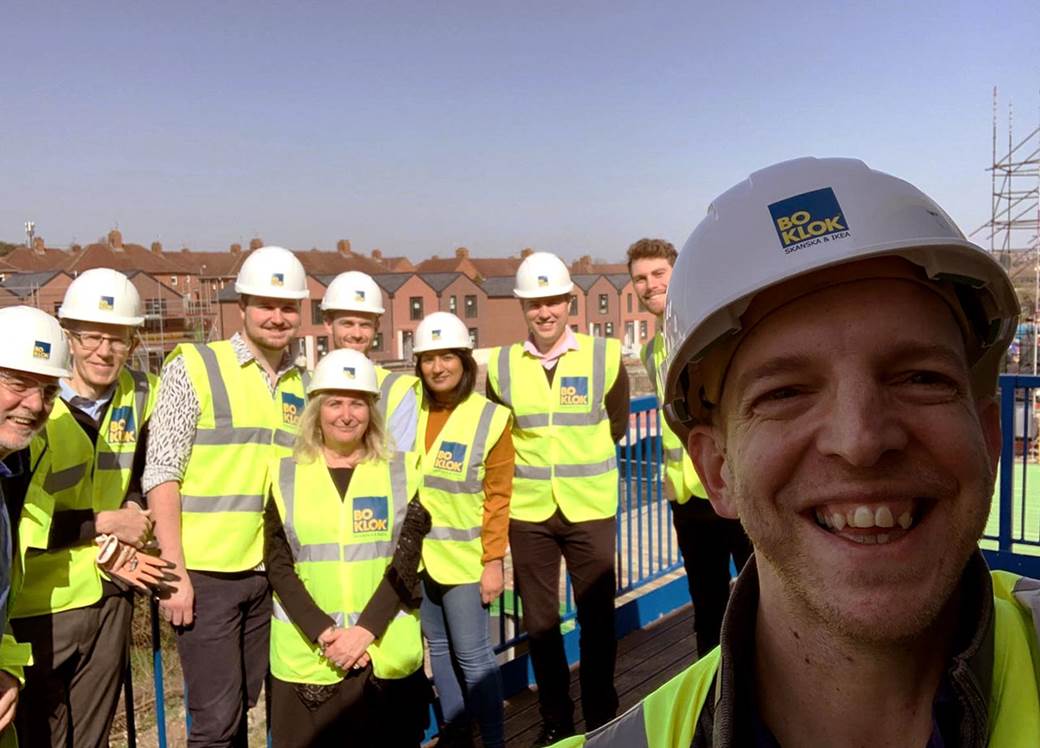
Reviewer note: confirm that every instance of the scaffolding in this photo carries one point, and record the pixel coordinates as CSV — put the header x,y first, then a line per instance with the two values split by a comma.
x,y
1013,231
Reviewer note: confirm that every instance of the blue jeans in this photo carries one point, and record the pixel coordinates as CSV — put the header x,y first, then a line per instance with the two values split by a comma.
x,y
456,626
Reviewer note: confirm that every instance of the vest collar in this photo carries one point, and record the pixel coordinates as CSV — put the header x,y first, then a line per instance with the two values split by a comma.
x,y
725,720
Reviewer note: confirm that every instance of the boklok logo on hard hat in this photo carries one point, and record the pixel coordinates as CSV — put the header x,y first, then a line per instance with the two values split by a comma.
x,y
543,281
807,219
450,456
435,334
292,408
107,303
277,279
359,295
349,372
41,349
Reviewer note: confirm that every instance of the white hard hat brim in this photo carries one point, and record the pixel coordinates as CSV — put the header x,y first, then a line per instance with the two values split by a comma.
x,y
348,308
544,293
319,390
270,292
106,319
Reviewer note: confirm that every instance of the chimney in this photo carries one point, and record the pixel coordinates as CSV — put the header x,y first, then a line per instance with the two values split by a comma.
x,y
38,246
526,252
343,247
585,260
256,243
236,249
115,239
377,254
156,248
75,249
461,253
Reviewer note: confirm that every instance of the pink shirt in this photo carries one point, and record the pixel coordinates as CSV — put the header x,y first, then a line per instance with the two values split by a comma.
x,y
567,342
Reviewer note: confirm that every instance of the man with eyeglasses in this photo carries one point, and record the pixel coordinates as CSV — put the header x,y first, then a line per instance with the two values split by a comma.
x,y
33,357
76,617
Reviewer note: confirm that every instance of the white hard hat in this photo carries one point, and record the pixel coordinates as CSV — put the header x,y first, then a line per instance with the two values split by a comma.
x,y
33,342
273,272
800,217
441,331
102,295
353,291
540,275
344,369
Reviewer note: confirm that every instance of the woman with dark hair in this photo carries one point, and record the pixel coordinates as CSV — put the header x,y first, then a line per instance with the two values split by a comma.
x,y
467,457
343,539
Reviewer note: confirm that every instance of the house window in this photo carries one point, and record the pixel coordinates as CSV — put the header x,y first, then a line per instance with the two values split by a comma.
x,y
473,337
377,342
316,315
415,307
471,307
453,304
630,333
609,329
323,345
604,304
574,305
629,303
173,280
642,329
57,307
597,328
574,328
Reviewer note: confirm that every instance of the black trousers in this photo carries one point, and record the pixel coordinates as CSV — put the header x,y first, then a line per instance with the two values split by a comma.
x,y
224,654
79,658
588,548
362,711
707,541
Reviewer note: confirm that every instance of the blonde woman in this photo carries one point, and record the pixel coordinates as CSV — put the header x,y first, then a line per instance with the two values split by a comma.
x,y
343,538
467,464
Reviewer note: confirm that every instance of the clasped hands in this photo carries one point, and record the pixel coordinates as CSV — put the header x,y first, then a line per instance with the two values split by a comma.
x,y
346,647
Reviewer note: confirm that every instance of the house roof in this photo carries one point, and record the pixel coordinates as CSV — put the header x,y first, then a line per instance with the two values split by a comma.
x,y
493,267
390,282
619,280
126,258
208,264
34,261
498,286
24,284
321,262
439,281
585,281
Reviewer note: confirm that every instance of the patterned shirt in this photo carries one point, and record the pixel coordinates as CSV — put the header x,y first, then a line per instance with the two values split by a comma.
x,y
177,413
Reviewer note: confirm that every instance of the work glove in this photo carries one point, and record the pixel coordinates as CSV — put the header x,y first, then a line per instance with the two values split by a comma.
x,y
142,572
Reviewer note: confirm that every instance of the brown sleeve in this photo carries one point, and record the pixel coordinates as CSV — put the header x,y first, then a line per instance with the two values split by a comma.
x,y
617,404
294,597
498,488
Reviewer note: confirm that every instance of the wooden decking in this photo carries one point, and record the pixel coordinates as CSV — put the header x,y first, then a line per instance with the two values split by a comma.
x,y
646,658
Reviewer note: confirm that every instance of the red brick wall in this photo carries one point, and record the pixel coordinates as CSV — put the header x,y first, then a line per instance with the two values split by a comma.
x,y
403,324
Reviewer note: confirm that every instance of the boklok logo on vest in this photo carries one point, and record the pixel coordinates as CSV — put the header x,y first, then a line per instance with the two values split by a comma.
x,y
450,456
574,391
371,514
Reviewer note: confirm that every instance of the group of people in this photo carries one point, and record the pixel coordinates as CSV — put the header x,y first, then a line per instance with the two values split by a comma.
x,y
828,370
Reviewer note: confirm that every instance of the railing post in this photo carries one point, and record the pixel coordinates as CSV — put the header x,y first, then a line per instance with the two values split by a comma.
x,y
1008,384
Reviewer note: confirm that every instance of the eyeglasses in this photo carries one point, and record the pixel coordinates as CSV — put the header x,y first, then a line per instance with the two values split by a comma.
x,y
91,341
22,386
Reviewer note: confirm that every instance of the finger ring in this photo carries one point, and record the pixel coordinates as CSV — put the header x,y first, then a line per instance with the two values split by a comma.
x,y
133,564
357,666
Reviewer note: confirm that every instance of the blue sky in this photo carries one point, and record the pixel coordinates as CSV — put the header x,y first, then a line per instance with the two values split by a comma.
x,y
415,127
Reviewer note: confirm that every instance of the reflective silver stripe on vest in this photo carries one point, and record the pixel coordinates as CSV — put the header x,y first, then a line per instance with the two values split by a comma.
x,y
287,485
141,389
674,455
369,551
649,363
599,377
542,472
305,377
453,533
1027,592
317,552
63,479
628,730
399,489
452,486
338,617
232,435
387,385
115,460
217,389
533,421
505,380
211,504
284,438
579,419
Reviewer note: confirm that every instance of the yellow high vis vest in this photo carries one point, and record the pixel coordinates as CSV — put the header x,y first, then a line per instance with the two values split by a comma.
x,y
668,716
453,487
78,476
565,455
241,428
341,549
393,386
680,477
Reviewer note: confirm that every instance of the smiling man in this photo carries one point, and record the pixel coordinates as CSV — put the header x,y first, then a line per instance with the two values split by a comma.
x,y
77,619
225,411
569,397
834,357
706,540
